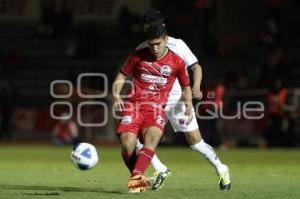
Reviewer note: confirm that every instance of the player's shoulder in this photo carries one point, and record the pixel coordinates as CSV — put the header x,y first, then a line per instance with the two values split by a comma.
x,y
175,42
142,45
176,57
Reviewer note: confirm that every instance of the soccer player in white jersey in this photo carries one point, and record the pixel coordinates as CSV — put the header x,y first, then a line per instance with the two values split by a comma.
x,y
175,112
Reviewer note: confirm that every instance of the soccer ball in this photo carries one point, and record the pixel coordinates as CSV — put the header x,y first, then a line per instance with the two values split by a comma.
x,y
84,156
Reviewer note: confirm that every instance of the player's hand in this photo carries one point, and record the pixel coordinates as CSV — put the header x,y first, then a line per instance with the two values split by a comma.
x,y
197,94
189,113
118,103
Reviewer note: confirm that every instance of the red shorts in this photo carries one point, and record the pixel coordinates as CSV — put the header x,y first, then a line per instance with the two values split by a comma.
x,y
137,117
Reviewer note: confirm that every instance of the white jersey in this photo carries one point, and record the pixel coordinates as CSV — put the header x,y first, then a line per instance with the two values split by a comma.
x,y
182,50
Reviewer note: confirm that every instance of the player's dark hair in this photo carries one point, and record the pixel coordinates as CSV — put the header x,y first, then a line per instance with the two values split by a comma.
x,y
155,30
153,15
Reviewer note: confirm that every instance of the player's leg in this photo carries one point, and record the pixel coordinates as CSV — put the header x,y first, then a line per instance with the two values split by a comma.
x,y
194,139
136,183
151,136
128,132
198,144
161,170
158,166
156,163
128,141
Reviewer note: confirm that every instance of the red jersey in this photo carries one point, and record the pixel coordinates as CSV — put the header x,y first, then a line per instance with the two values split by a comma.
x,y
153,79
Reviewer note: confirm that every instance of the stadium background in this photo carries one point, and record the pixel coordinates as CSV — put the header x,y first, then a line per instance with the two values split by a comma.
x,y
243,47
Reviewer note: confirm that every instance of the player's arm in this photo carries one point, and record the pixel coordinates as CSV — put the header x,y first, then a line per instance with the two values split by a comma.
x,y
118,84
197,76
183,77
191,61
187,98
117,87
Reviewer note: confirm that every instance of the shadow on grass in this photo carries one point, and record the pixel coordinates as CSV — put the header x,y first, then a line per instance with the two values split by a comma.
x,y
54,188
41,194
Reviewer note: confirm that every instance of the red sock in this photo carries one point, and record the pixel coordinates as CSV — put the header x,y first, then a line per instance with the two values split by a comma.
x,y
143,160
129,159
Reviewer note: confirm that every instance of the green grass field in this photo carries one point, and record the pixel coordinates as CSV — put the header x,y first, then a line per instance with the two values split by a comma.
x,y
46,172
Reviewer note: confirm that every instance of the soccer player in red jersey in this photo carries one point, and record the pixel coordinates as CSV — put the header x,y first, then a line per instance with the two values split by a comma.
x,y
175,111
154,70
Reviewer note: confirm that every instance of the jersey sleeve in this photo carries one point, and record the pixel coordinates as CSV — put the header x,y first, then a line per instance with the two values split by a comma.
x,y
129,65
182,74
187,55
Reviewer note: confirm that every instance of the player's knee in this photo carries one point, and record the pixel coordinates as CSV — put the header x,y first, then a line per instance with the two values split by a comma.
x,y
128,143
128,147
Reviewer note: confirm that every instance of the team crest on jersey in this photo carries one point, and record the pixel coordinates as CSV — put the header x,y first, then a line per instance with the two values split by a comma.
x,y
127,119
165,70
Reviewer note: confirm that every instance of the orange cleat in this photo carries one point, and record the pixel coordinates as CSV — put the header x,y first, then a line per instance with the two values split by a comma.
x,y
137,184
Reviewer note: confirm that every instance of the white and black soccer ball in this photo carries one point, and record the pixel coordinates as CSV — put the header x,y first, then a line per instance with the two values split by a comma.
x,y
84,156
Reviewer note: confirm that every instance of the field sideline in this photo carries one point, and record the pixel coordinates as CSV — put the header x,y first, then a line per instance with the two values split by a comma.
x,y
36,172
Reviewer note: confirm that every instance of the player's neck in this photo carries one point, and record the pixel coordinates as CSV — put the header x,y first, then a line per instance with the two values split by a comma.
x,y
163,55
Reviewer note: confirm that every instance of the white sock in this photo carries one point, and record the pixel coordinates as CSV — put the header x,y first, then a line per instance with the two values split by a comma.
x,y
208,152
156,163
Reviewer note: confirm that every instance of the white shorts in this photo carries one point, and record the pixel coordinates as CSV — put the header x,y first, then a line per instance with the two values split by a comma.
x,y
176,115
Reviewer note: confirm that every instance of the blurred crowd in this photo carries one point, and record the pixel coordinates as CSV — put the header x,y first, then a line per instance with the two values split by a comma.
x,y
261,57
238,57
